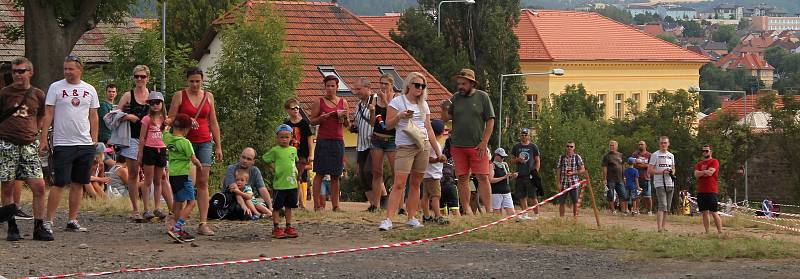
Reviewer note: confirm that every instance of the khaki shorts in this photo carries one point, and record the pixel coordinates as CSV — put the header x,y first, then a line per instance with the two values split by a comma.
x,y
410,158
431,187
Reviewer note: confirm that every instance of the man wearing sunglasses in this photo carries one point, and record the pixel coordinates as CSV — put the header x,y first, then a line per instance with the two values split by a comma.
x,y
473,123
568,168
22,108
72,112
706,172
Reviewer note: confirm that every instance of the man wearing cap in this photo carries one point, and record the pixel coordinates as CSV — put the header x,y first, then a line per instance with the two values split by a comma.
x,y
19,150
529,185
72,113
473,123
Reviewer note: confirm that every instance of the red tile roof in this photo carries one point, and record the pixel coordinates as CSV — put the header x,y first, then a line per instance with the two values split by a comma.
x,y
323,33
746,61
550,35
654,29
737,108
384,24
90,47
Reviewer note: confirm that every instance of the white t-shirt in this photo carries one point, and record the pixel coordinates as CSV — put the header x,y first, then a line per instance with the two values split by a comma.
x,y
662,160
401,104
71,116
434,170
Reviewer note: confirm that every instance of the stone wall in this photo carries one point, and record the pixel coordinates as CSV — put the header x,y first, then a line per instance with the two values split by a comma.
x,y
770,175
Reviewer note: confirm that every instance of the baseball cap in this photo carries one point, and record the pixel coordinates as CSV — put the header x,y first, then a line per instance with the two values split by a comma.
x,y
631,160
524,131
155,96
437,126
100,148
500,151
283,128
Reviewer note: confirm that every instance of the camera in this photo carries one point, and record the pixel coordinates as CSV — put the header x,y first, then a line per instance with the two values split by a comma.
x,y
353,128
671,175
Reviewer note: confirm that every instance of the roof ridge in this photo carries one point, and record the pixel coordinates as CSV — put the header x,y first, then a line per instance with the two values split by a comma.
x,y
528,15
649,35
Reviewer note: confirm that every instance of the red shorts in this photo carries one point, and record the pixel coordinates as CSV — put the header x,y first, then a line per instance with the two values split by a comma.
x,y
466,160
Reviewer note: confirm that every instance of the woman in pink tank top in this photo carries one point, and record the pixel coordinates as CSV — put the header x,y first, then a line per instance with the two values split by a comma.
x,y
205,136
331,114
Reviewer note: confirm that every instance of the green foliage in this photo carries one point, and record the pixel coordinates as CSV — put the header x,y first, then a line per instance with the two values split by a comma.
x,y
251,80
576,103
744,23
417,35
732,144
146,49
692,29
646,18
787,68
726,33
188,20
478,36
786,131
668,38
614,13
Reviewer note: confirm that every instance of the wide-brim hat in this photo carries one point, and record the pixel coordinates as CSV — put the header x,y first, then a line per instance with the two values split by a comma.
x,y
466,74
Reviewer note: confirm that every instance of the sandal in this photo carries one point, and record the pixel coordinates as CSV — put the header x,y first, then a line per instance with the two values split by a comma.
x,y
136,217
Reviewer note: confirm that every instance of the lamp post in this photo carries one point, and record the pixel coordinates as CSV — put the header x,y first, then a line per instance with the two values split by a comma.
x,y
556,72
746,197
439,13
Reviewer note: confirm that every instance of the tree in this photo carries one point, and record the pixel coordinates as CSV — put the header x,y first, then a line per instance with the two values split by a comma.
x,y
483,34
418,36
692,28
668,38
52,28
576,103
646,18
726,33
669,19
252,79
732,144
743,24
188,20
614,13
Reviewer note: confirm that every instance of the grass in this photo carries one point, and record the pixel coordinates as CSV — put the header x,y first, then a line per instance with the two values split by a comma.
x,y
564,232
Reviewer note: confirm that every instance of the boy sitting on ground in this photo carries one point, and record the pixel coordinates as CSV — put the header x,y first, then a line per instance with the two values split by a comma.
x,y
283,157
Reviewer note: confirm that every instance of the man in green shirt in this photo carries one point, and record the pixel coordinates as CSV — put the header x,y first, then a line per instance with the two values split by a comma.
x,y
106,106
473,123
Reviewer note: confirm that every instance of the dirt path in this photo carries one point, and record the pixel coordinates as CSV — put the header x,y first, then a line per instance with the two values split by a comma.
x,y
115,243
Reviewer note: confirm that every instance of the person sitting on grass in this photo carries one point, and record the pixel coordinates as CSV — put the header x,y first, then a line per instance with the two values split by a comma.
x,y
432,187
253,207
283,159
98,180
181,154
118,179
501,191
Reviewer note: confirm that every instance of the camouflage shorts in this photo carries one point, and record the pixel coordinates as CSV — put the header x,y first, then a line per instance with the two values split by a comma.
x,y
19,162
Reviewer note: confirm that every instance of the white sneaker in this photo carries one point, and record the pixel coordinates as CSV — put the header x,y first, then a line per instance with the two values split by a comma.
x,y
386,225
414,223
650,213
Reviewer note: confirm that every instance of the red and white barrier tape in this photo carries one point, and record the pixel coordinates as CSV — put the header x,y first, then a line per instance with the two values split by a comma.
x,y
769,218
333,252
771,212
780,204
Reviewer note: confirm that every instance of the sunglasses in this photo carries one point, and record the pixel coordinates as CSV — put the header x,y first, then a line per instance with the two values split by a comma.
x,y
295,108
155,102
385,83
524,134
20,71
73,58
139,76
419,85
705,150
570,146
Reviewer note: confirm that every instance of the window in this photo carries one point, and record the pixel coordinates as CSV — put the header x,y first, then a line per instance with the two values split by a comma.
x,y
602,102
398,81
618,106
329,70
532,106
636,100
651,97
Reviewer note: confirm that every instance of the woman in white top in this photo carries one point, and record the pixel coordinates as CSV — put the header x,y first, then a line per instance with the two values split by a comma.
x,y
410,107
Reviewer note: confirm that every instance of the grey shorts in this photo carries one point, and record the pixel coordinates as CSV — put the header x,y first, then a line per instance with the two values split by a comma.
x,y
664,197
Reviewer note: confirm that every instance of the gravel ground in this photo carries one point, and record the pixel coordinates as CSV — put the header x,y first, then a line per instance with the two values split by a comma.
x,y
116,243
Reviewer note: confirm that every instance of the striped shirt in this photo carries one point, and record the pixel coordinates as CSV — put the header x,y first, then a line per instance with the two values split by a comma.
x,y
364,127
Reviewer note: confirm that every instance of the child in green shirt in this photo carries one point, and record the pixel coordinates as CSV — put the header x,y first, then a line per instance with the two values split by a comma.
x,y
181,155
283,157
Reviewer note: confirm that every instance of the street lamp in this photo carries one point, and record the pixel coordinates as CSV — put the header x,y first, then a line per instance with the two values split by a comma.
x,y
697,89
556,72
439,13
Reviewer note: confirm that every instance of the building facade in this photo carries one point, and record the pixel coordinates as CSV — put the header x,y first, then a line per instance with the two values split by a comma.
x,y
764,23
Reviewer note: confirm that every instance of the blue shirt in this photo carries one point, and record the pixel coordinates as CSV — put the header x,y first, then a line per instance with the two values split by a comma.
x,y
631,176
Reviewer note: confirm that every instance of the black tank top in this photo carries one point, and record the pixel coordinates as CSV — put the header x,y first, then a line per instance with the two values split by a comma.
x,y
502,186
140,111
381,128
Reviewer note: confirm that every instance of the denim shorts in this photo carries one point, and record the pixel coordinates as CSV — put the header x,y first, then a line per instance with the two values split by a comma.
x,y
385,145
204,152
619,188
182,188
132,151
572,194
647,187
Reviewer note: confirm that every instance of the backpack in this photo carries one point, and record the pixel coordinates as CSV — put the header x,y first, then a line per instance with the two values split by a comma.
x,y
223,206
448,174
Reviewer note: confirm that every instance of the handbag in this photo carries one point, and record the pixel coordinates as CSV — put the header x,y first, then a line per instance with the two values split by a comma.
x,y
413,131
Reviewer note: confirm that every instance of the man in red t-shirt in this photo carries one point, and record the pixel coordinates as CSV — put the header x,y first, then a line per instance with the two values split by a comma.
x,y
706,172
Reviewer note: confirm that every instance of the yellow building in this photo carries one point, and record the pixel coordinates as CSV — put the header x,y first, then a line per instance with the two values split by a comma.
x,y
612,60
